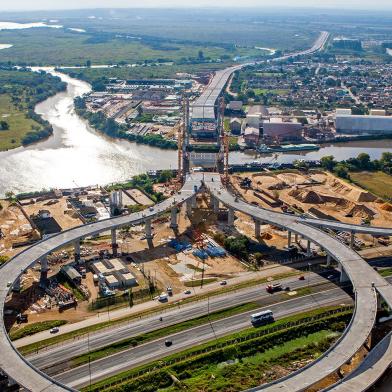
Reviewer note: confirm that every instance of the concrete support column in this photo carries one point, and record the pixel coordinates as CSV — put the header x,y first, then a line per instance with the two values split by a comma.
x,y
289,238
230,217
173,218
328,260
257,229
189,205
148,230
308,250
214,204
352,239
194,202
114,242
44,272
77,250
16,286
296,238
343,276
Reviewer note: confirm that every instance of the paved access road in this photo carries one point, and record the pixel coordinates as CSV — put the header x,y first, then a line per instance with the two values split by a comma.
x,y
148,352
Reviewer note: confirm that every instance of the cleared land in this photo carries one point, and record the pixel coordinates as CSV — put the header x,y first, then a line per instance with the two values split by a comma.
x,y
19,124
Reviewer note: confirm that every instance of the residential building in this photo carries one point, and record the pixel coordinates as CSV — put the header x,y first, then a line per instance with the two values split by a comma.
x,y
235,126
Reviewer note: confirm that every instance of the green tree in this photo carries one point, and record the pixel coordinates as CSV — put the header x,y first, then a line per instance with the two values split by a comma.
x,y
328,162
200,55
364,161
4,126
341,170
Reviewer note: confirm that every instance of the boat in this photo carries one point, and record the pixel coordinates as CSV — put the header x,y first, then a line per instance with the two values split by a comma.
x,y
264,149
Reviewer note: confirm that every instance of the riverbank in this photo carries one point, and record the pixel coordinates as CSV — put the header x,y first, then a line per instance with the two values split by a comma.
x,y
21,90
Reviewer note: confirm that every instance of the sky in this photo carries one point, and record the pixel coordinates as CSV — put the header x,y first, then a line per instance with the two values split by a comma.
x,y
27,5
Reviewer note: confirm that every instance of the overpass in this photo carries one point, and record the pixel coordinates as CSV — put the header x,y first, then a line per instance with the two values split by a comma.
x,y
368,284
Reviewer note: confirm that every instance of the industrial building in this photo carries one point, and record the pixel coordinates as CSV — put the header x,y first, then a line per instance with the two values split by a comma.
x,y
114,272
363,124
251,136
278,129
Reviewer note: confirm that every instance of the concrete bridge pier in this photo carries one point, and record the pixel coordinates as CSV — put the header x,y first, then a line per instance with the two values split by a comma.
x,y
44,272
77,250
352,240
329,259
189,206
289,238
343,276
114,242
214,204
308,250
296,238
173,218
230,217
257,229
149,235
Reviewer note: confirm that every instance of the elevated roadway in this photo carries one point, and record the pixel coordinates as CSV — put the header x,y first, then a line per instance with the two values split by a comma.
x,y
366,282
204,107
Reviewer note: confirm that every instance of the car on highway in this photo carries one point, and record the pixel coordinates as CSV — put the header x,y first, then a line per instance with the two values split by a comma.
x,y
187,292
163,297
223,283
54,330
302,277
273,288
168,343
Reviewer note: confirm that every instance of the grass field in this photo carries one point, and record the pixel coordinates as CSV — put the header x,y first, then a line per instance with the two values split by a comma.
x,y
66,48
378,183
19,124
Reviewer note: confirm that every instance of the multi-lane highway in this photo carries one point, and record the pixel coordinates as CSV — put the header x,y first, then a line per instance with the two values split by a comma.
x,y
71,348
148,352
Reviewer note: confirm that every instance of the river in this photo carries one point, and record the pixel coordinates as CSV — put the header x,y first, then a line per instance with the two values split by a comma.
x,y
77,155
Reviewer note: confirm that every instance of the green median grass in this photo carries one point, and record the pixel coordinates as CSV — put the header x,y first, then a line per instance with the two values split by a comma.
x,y
34,328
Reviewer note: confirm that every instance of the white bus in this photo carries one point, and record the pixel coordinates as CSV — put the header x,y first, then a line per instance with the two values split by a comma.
x,y
262,318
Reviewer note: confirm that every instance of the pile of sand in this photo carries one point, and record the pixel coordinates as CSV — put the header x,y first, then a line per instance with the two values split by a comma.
x,y
339,187
279,186
305,196
361,211
266,236
387,207
353,193
361,196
